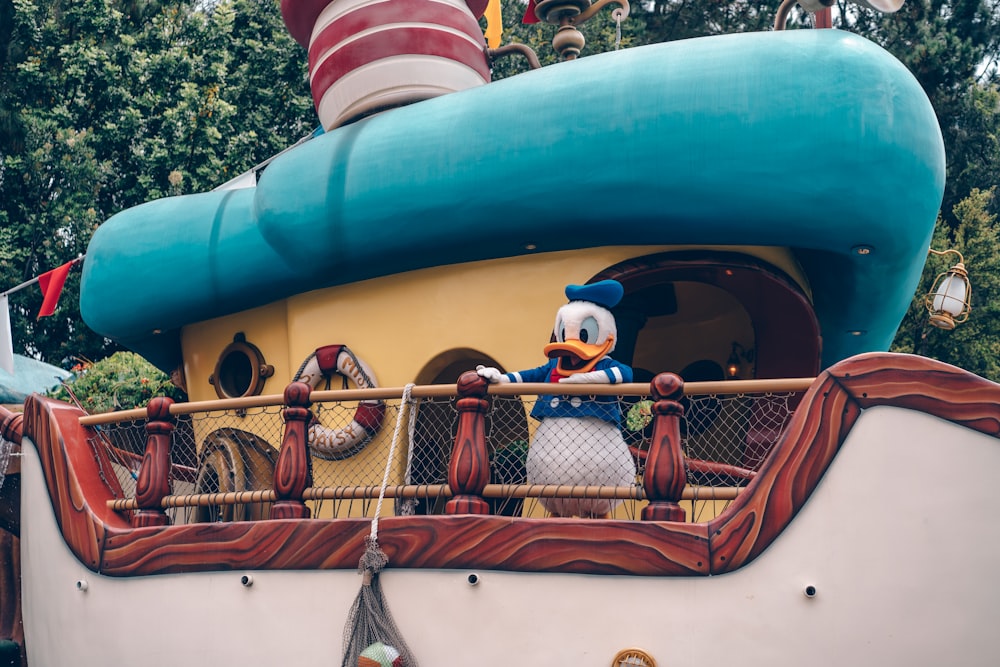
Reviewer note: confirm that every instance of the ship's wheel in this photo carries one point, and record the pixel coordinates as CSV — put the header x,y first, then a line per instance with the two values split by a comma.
x,y
232,460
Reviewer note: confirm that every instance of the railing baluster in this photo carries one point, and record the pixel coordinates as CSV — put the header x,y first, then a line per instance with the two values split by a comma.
x,y
293,469
469,470
11,425
153,482
665,477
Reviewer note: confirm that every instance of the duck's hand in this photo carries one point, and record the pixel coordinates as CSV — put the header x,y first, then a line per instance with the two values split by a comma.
x,y
492,375
593,377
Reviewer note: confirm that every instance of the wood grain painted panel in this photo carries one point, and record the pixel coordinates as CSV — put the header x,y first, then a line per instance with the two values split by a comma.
x,y
102,539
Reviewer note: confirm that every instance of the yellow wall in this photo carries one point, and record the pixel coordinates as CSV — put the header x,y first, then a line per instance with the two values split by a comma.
x,y
504,308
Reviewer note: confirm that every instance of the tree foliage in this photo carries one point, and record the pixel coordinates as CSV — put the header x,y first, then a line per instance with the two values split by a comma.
x,y
105,104
121,381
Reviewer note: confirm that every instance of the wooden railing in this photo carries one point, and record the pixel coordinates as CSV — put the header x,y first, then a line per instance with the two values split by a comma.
x,y
664,482
721,542
722,388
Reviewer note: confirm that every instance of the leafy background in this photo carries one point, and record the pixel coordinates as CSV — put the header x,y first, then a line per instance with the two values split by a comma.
x,y
121,381
105,104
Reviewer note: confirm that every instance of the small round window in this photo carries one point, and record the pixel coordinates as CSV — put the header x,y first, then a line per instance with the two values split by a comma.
x,y
240,370
633,657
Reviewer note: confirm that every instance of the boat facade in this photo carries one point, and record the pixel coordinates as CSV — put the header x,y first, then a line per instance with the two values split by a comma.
x,y
765,203
838,520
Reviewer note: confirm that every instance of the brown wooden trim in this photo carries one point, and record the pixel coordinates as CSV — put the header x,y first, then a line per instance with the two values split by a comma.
x,y
786,478
103,540
819,427
11,425
448,541
293,469
79,477
493,491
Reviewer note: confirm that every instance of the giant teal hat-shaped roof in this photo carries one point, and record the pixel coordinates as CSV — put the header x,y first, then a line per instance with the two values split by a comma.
x,y
814,140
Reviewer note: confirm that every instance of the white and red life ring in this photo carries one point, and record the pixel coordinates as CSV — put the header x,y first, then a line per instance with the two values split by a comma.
x,y
334,444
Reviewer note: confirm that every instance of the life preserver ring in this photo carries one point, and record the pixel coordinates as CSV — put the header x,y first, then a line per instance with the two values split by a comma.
x,y
334,444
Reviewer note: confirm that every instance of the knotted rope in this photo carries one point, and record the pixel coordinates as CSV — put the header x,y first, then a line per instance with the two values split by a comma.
x,y
369,620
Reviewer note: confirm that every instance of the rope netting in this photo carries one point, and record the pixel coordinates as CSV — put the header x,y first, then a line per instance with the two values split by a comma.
x,y
6,449
724,438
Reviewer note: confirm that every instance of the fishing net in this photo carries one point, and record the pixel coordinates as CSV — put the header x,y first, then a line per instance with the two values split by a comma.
x,y
369,620
6,446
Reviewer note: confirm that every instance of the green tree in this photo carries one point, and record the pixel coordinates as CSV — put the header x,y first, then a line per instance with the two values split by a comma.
x,y
121,381
670,20
105,104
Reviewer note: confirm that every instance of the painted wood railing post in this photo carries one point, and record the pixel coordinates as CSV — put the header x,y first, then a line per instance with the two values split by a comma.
x,y
293,469
469,470
153,482
11,425
665,476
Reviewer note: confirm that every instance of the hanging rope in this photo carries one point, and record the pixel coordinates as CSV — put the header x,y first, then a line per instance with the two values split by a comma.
x,y
369,621
618,28
408,506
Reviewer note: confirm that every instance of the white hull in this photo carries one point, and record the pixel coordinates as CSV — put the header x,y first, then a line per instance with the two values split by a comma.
x,y
902,556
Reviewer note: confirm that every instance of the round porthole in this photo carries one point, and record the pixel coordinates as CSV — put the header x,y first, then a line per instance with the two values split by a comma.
x,y
633,657
240,370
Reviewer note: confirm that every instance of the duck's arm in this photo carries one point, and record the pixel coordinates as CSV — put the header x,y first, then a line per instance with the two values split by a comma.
x,y
495,376
492,375
607,371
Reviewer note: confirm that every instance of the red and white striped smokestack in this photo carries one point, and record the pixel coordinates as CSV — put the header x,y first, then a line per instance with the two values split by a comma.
x,y
369,55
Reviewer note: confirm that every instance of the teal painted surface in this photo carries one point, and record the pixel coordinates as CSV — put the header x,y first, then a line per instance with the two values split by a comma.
x,y
813,139
30,376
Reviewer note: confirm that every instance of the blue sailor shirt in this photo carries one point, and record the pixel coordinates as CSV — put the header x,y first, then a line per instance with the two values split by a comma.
x,y
603,407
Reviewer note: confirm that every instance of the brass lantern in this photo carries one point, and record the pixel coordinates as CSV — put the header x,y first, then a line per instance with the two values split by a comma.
x,y
739,355
949,301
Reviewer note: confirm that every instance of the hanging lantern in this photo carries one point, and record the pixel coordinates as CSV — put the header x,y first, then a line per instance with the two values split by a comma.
x,y
739,355
948,302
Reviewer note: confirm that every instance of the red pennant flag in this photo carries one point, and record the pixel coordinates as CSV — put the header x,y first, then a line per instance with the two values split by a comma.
x,y
823,18
529,13
52,283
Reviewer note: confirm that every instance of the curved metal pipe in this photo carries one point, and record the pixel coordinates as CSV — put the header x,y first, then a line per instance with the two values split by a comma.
x,y
781,18
509,49
811,6
619,14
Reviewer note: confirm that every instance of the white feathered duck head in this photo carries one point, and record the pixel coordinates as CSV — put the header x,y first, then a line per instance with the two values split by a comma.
x,y
585,330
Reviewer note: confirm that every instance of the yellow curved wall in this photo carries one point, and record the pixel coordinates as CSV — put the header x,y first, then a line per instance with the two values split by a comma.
x,y
502,308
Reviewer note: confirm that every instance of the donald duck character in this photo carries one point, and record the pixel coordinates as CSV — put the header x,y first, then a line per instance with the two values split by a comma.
x,y
578,440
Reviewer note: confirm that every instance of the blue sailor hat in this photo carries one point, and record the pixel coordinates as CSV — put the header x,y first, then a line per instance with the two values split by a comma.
x,y
606,293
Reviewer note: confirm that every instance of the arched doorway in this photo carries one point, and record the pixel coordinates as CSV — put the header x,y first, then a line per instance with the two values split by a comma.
x,y
701,309
686,306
